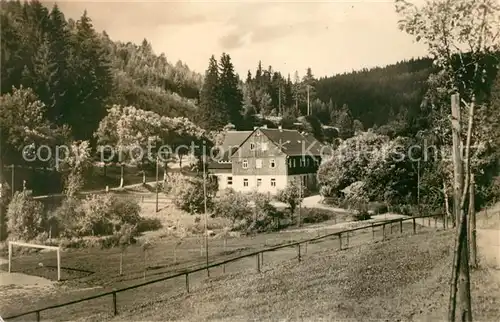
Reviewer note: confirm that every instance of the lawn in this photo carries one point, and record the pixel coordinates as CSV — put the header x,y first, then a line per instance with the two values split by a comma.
x,y
401,279
91,271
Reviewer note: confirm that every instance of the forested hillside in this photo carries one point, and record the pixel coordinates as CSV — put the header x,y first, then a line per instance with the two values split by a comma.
x,y
76,71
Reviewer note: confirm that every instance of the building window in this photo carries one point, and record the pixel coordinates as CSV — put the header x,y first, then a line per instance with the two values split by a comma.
x,y
259,182
302,161
273,182
245,164
258,163
245,182
252,146
229,181
307,162
264,146
272,163
290,163
294,163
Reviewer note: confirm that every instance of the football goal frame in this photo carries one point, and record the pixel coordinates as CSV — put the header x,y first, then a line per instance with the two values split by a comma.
x,y
56,248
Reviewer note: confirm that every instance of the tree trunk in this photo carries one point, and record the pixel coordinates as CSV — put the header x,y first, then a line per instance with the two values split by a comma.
x,y
164,173
121,175
472,223
104,168
447,205
121,263
145,264
460,279
143,177
464,298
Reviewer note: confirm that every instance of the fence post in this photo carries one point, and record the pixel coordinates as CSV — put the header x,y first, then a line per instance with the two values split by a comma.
x,y
262,259
299,252
306,248
37,316
373,232
340,241
391,227
187,282
115,310
258,262
414,227
401,226
223,268
347,242
435,221
444,222
383,231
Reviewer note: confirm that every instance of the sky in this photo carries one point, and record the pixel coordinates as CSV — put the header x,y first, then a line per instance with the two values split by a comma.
x,y
330,37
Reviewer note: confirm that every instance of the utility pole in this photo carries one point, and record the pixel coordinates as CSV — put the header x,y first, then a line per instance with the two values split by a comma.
x,y
157,161
206,213
300,200
418,186
308,104
279,100
12,180
472,220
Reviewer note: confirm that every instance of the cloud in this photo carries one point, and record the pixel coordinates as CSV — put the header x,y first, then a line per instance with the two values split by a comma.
x,y
232,40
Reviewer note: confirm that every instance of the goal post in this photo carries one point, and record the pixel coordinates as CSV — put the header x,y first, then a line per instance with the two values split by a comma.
x,y
56,248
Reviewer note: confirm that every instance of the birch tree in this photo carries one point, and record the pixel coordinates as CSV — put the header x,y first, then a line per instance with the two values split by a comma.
x,y
463,38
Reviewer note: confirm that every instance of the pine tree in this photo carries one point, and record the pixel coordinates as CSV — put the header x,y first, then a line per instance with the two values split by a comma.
x,y
345,123
59,47
288,95
90,67
212,115
232,97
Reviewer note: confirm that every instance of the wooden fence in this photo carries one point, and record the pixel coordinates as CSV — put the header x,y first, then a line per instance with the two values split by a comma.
x,y
257,254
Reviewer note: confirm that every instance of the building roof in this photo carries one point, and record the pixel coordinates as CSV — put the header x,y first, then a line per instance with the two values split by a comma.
x,y
294,143
291,142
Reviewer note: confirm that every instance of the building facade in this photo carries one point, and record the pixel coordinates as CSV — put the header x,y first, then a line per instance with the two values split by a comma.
x,y
267,160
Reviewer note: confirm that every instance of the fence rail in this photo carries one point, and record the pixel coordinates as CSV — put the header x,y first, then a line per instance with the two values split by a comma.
x,y
259,259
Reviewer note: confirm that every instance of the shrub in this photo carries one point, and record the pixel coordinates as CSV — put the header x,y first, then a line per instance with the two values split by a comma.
x,y
148,224
232,205
362,215
25,217
105,214
314,215
189,195
66,218
378,207
292,195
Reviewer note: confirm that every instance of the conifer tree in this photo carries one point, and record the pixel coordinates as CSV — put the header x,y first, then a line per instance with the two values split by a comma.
x,y
232,97
212,115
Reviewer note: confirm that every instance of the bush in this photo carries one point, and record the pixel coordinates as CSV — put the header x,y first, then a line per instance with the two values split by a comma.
x,y
314,215
377,208
148,224
189,196
25,217
362,215
232,205
105,214
65,219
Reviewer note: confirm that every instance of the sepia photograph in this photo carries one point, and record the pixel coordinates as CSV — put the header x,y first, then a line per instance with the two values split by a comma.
x,y
250,160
